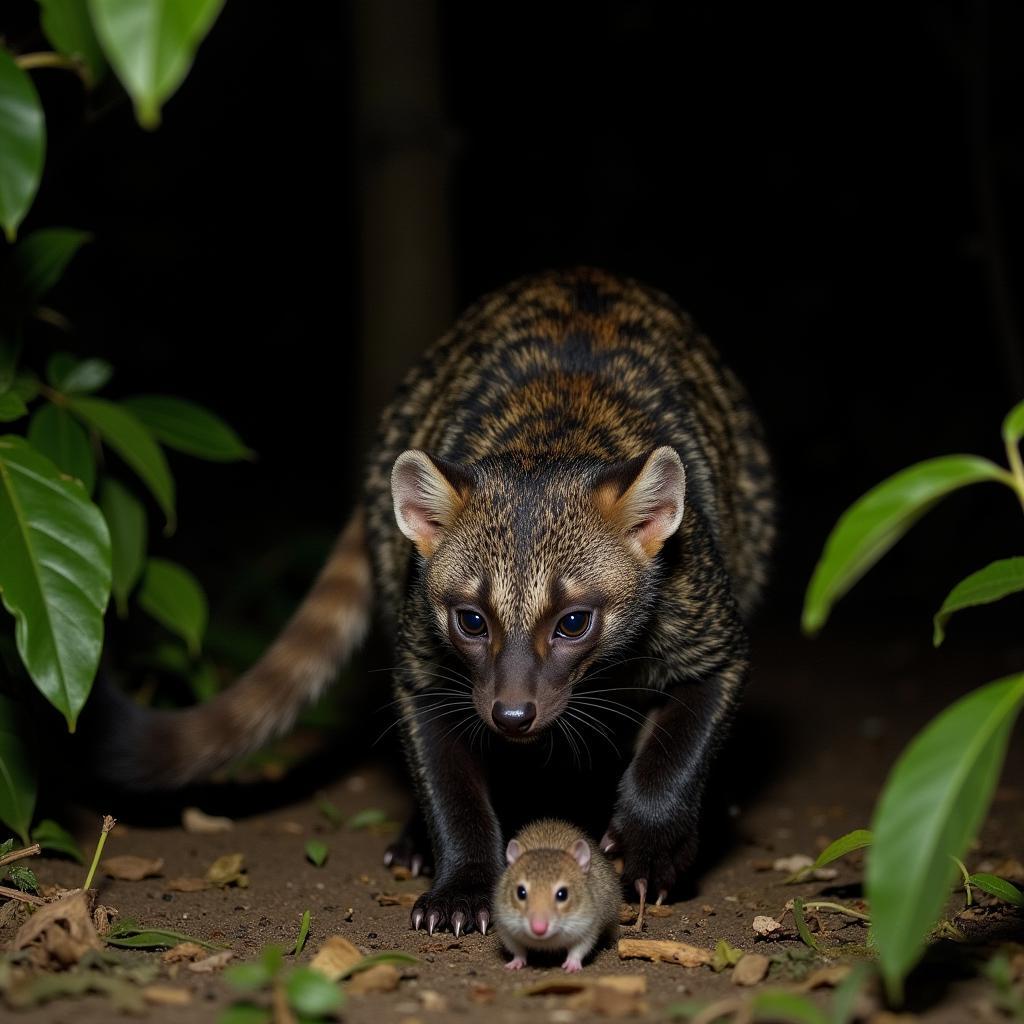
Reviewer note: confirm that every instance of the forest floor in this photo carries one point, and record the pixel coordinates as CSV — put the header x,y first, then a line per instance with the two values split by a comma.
x,y
821,726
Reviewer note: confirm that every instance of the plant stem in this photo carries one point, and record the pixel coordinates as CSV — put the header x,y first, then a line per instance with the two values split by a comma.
x,y
1016,468
837,907
49,59
29,851
108,824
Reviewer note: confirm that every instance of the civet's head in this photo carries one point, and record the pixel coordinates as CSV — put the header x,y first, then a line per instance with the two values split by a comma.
x,y
532,573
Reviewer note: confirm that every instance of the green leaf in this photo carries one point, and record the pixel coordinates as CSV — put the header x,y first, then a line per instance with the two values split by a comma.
x,y
249,977
11,407
50,836
844,1001
40,258
172,596
787,1007
367,818
998,887
330,812
244,1013
300,941
873,524
55,574
133,442
25,386
151,45
67,26
930,809
188,427
17,770
126,519
22,143
855,840
801,924
725,956
995,581
1013,425
67,373
55,433
129,935
24,878
10,350
310,993
316,851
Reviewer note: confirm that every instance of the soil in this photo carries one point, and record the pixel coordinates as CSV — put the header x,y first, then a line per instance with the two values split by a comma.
x,y
821,725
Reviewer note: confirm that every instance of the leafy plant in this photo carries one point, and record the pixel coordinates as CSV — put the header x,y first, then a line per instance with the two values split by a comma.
x,y
316,852
300,941
940,788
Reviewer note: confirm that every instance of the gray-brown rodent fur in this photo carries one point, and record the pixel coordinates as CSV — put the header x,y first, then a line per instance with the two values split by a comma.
x,y
558,893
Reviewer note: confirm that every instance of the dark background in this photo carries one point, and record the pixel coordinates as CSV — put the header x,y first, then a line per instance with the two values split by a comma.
x,y
834,194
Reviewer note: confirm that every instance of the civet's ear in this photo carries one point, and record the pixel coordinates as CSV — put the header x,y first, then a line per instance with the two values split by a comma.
x,y
580,852
513,851
644,498
428,493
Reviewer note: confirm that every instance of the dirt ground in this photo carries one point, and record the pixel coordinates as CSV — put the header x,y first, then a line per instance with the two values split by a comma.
x,y
818,732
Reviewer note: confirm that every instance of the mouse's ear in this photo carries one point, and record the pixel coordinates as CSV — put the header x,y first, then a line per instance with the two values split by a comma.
x,y
513,851
580,852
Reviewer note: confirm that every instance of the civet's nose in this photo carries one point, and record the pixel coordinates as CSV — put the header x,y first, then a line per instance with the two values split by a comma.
x,y
514,719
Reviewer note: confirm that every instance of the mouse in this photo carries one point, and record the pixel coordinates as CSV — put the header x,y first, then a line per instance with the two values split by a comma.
x,y
558,892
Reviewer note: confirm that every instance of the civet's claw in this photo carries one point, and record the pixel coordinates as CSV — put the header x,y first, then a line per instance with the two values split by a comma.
x,y
389,856
641,888
607,843
483,922
416,865
417,919
662,896
459,922
432,921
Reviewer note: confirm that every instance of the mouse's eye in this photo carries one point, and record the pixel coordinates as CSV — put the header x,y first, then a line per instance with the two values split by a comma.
x,y
574,625
562,894
520,892
471,623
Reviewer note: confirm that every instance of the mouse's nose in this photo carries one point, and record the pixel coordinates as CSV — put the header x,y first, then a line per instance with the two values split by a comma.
x,y
514,719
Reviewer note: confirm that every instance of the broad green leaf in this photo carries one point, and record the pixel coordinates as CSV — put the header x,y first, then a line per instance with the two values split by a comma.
x,y
998,887
244,1013
25,386
151,45
300,940
133,442
188,428
725,956
51,836
316,851
55,574
60,437
67,26
40,258
248,977
785,1008
126,519
77,377
995,581
311,994
24,878
17,769
22,143
172,596
367,818
130,936
855,840
1013,425
869,527
12,407
930,809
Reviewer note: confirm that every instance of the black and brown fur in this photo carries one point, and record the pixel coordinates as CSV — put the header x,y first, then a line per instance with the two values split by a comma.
x,y
525,438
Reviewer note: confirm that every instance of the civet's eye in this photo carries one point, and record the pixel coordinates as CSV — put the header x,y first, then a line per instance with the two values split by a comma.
x,y
471,623
521,892
562,894
573,625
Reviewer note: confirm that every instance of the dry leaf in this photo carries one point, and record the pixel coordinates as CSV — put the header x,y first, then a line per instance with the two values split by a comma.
x,y
616,995
59,934
166,995
184,951
751,969
665,951
400,873
396,899
433,1002
202,824
379,978
186,884
212,963
290,828
282,1012
764,925
482,994
791,865
128,868
102,918
335,957
228,870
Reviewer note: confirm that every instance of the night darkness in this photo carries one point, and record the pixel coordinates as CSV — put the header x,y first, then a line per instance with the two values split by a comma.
x,y
810,185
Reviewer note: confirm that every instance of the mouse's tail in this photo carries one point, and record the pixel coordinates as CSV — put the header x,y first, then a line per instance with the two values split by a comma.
x,y
141,748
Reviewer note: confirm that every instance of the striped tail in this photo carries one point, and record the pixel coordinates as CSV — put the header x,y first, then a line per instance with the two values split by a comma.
x,y
140,748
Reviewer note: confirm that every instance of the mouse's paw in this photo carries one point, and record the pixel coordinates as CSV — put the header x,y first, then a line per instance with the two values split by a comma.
x,y
572,964
460,906
517,963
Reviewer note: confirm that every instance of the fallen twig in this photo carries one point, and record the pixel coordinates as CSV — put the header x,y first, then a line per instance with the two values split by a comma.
x,y
24,897
29,851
